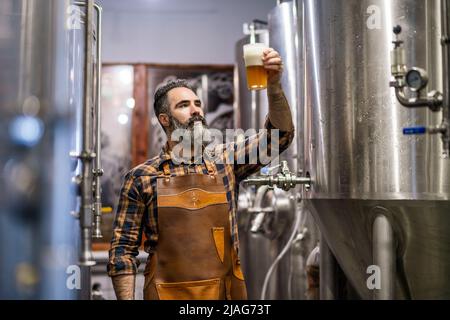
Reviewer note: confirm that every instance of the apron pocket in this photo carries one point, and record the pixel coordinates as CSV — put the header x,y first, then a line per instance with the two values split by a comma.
x,y
219,240
190,290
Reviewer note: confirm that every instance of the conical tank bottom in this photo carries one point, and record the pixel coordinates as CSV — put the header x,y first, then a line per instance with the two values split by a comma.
x,y
421,233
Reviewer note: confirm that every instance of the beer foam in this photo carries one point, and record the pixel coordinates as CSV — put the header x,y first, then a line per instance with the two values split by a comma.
x,y
253,53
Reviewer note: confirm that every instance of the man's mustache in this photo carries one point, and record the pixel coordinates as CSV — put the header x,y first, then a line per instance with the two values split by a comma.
x,y
188,125
194,119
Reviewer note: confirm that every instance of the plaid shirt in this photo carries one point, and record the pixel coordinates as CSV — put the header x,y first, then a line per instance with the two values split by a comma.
x,y
137,211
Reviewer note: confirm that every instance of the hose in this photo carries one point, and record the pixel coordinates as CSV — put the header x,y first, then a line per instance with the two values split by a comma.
x,y
299,237
298,215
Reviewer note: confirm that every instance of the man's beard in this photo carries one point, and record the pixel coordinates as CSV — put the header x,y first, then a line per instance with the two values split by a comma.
x,y
196,129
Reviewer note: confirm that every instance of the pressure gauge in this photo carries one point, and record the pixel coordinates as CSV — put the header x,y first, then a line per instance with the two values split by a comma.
x,y
416,79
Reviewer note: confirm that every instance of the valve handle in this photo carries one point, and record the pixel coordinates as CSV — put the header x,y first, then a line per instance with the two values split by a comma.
x,y
414,130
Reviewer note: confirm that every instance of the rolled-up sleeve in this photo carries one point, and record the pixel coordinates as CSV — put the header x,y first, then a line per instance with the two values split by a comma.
x,y
127,229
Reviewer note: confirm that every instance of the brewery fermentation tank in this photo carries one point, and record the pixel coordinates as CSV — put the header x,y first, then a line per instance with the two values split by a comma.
x,y
260,246
250,108
45,125
380,198
38,236
286,37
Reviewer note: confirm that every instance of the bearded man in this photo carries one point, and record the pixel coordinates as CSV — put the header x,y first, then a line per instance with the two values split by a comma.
x,y
187,210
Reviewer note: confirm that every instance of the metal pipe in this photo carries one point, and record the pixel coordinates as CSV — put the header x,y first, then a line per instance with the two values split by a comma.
x,y
328,274
384,257
204,91
98,171
87,154
26,43
300,74
254,103
446,68
273,181
433,103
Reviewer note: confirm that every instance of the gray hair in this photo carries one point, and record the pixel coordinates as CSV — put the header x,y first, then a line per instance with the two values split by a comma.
x,y
161,103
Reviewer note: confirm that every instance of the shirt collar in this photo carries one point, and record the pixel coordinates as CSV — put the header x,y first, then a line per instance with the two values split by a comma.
x,y
165,155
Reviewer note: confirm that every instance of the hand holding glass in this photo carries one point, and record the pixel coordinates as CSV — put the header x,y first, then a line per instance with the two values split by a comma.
x,y
256,73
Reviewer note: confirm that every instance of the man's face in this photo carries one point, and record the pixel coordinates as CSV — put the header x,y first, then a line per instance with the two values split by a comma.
x,y
184,107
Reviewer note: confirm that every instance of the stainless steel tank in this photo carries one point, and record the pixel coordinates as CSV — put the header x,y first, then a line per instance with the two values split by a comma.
x,y
362,167
260,248
250,107
38,236
286,36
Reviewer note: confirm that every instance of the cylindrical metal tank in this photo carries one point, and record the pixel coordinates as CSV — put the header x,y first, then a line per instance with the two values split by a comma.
x,y
286,36
361,165
38,236
250,107
259,250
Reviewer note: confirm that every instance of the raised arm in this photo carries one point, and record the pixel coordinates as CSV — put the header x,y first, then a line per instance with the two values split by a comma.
x,y
279,117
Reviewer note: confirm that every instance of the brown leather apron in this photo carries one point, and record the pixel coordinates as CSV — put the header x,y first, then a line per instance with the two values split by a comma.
x,y
194,258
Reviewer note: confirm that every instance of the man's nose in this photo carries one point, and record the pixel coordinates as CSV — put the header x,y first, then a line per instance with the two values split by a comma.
x,y
195,110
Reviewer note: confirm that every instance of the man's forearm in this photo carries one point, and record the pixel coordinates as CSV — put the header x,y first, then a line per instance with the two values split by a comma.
x,y
124,285
280,115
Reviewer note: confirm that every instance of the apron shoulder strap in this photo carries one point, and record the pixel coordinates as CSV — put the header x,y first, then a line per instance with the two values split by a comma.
x,y
211,167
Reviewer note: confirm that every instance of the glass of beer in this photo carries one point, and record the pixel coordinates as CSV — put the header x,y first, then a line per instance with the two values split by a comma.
x,y
256,74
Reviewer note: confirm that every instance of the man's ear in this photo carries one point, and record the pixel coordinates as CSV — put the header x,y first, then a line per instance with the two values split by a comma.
x,y
164,120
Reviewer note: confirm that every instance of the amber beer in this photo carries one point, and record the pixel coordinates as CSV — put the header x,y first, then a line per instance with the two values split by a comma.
x,y
256,74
